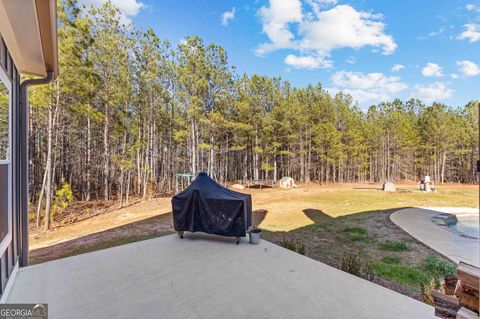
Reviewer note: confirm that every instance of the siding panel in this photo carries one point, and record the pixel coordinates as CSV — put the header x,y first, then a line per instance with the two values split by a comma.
x,y
11,255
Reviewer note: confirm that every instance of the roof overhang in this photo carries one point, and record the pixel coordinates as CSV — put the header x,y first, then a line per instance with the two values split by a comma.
x,y
29,29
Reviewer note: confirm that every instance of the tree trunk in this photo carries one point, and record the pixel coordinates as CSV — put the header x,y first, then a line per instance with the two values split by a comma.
x,y
52,114
89,159
42,191
106,155
444,160
193,147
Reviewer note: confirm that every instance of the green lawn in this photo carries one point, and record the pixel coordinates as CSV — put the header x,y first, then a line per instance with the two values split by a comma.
x,y
286,209
344,202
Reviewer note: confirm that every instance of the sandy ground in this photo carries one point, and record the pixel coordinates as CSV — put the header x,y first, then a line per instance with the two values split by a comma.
x,y
101,222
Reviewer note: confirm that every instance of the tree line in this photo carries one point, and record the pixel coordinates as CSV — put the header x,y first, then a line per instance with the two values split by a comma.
x,y
129,110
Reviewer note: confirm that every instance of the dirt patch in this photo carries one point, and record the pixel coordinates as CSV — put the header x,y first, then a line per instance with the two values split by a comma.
x,y
145,229
103,219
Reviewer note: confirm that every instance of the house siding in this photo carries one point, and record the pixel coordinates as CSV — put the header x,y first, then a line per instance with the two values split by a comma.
x,y
11,256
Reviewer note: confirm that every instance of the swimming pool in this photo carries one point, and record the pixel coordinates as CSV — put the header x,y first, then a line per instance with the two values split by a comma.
x,y
466,224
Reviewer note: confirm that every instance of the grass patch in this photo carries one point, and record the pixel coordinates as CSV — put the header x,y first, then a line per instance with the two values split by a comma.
x,y
429,272
402,274
391,259
353,234
393,246
355,230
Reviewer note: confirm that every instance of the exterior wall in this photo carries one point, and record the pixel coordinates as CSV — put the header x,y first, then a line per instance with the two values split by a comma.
x,y
10,257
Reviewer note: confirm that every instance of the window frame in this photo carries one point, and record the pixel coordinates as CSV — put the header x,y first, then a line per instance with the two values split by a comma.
x,y
5,79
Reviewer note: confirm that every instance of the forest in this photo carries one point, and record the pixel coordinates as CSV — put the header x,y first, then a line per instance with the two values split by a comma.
x,y
129,111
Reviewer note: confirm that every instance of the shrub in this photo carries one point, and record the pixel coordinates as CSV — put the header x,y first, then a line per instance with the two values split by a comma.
x,y
437,267
293,244
393,246
355,265
368,272
62,199
391,259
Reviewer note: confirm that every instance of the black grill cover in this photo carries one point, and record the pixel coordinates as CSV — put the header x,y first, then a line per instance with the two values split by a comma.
x,y
206,206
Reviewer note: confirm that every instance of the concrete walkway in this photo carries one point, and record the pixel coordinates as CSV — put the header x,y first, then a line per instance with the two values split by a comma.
x,y
418,223
205,277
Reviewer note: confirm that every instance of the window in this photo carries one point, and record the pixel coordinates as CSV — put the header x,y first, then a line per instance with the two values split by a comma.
x,y
5,162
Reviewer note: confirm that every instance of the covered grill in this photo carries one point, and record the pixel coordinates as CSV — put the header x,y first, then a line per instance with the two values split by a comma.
x,y
206,206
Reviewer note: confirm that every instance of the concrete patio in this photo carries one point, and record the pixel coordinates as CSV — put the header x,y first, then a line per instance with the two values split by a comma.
x,y
205,277
418,223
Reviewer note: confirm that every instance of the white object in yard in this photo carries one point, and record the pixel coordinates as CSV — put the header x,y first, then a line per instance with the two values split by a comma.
x,y
389,187
287,182
426,185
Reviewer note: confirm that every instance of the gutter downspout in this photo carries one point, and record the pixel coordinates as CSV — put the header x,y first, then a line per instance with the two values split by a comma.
x,y
22,152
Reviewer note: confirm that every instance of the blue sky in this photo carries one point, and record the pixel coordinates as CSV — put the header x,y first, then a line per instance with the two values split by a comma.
x,y
345,45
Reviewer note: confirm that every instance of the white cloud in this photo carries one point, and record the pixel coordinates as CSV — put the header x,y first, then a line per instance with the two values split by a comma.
x,y
228,16
344,27
433,92
320,32
468,68
472,32
397,67
351,60
432,69
433,33
370,87
454,76
361,96
306,62
276,19
470,7
369,81
128,8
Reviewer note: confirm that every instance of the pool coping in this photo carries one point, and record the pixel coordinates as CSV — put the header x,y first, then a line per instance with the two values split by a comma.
x,y
417,222
441,220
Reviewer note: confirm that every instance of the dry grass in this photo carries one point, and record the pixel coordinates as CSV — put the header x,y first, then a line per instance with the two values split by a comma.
x,y
285,208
